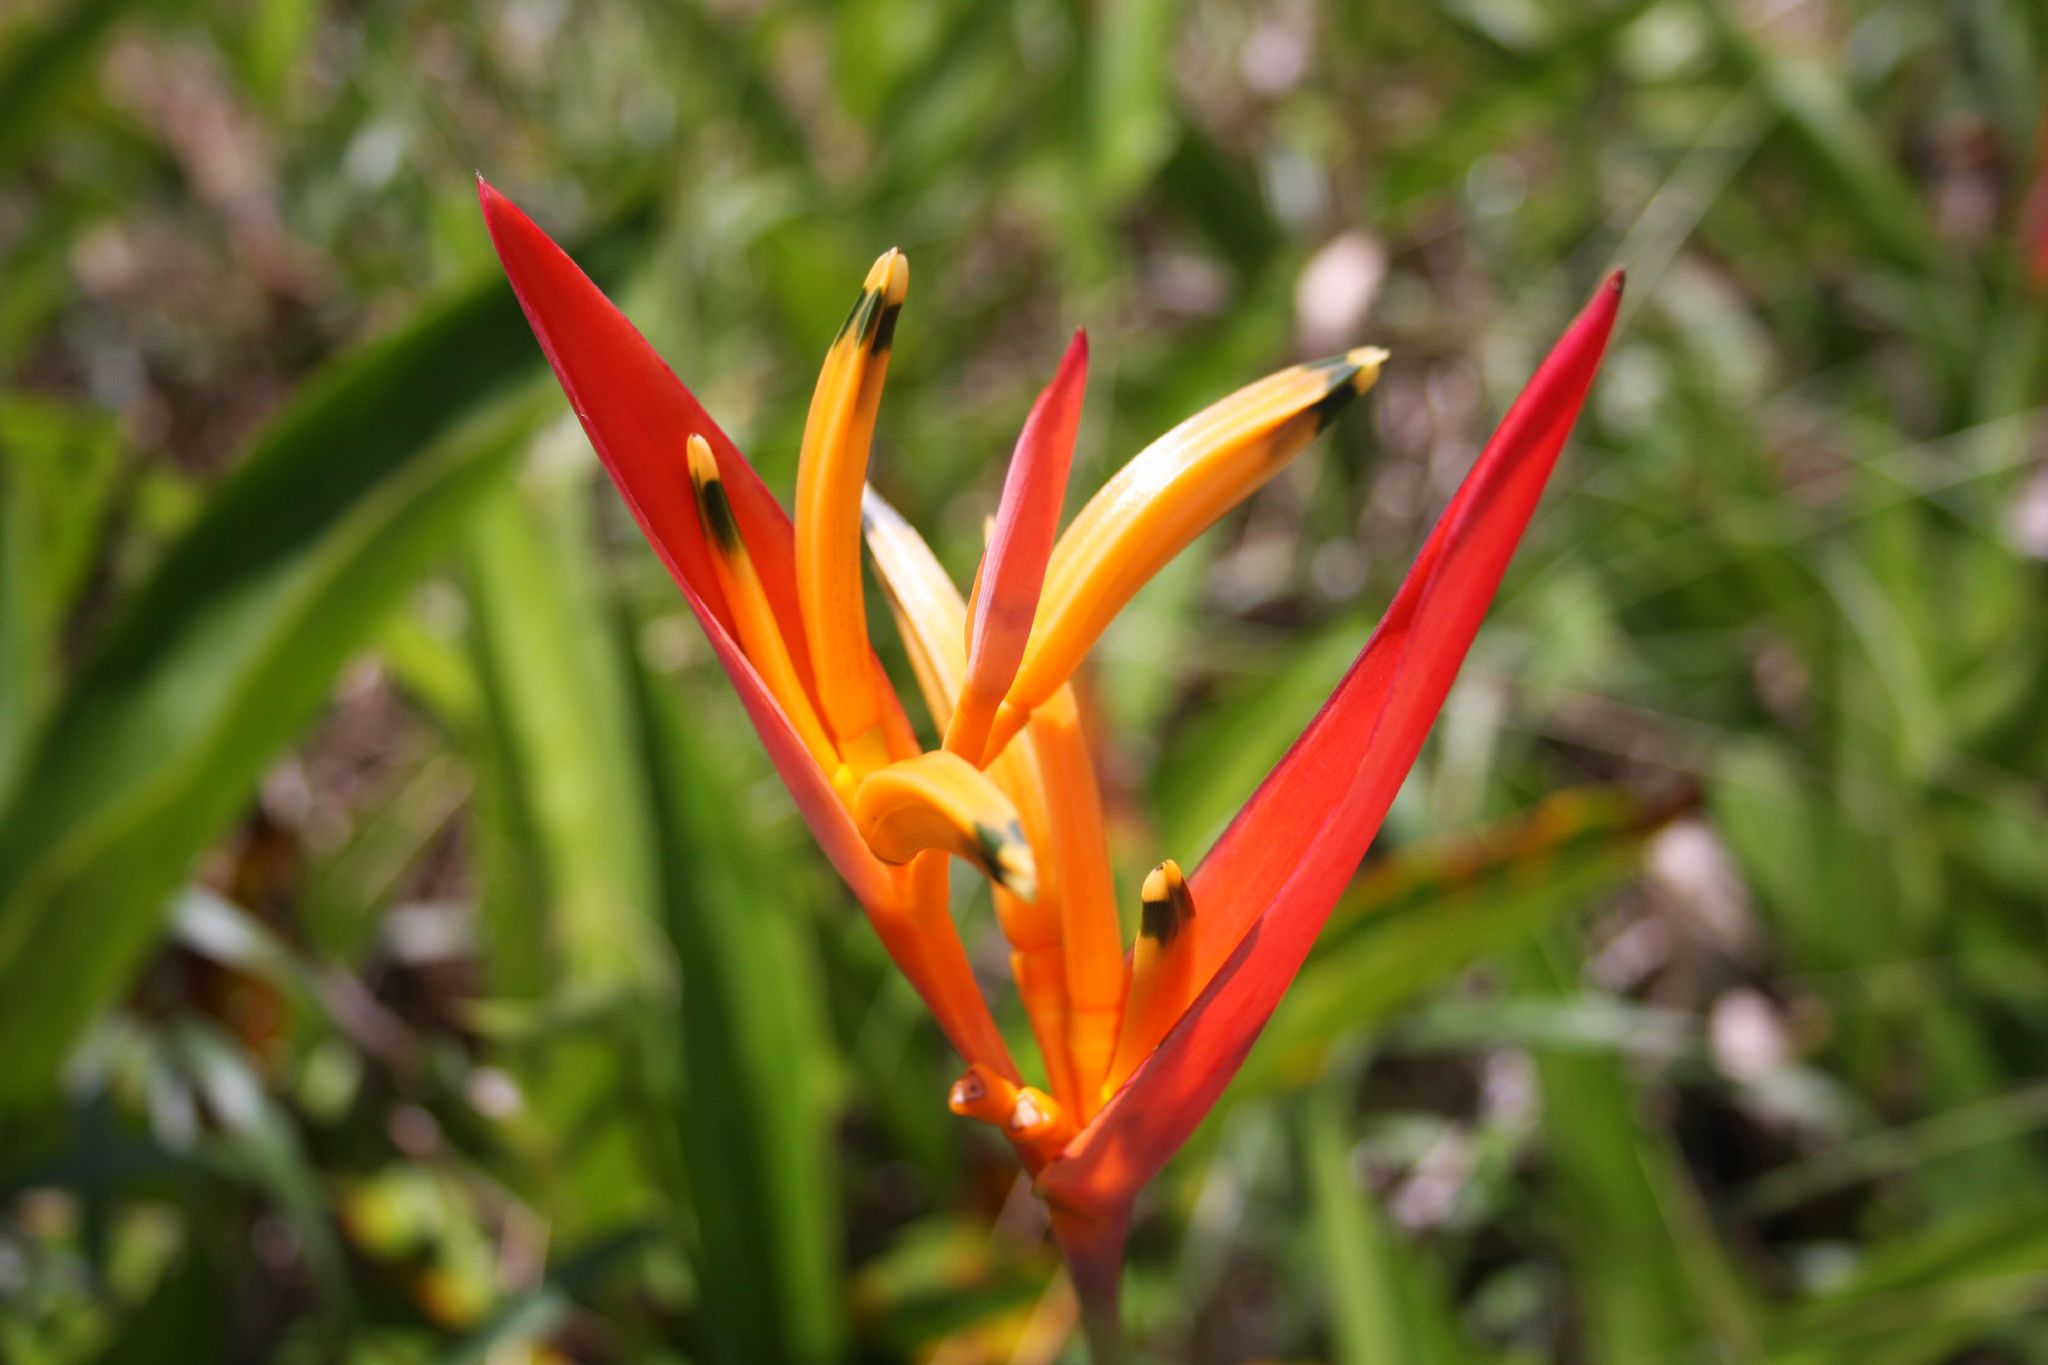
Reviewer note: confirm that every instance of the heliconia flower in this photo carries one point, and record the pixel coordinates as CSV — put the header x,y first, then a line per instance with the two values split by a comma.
x,y
1136,1046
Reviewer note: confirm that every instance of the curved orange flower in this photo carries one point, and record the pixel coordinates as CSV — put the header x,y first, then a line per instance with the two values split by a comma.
x,y
1136,1047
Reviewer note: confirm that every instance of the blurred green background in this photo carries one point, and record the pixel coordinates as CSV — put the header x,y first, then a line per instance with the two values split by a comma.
x,y
407,955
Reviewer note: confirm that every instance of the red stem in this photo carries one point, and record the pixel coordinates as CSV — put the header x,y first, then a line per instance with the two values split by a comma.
x,y
1092,1241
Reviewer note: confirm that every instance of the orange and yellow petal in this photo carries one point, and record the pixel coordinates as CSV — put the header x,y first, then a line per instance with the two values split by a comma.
x,y
940,802
1168,494
831,473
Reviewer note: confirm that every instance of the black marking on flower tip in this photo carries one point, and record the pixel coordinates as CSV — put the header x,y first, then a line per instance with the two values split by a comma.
x,y
1160,920
860,319
876,314
885,329
997,847
1342,375
718,514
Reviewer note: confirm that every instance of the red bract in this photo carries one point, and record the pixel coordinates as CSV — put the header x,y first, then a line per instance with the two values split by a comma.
x,y
1138,1048
1019,544
1269,884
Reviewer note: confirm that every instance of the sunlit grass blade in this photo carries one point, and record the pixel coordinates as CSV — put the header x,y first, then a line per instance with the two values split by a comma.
x,y
755,1110
1382,1306
567,897
57,470
559,705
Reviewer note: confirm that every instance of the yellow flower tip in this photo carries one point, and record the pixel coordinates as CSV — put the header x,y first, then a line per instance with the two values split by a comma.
x,y
1169,493
714,509
871,327
830,479
889,277
1368,359
1024,1113
1033,1114
1167,905
982,1093
760,634
965,1093
703,464
1162,970
940,801
1348,375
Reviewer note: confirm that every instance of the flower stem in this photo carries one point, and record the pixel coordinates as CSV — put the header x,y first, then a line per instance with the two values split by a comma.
x,y
1092,1241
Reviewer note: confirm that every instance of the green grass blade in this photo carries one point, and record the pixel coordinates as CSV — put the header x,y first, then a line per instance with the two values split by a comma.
x,y
755,1113
39,67
1918,1299
1652,1278
57,469
1415,919
560,706
227,650
1382,1307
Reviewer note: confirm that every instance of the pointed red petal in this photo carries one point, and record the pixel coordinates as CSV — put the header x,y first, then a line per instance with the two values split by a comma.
x,y
638,415
1013,568
1374,724
1281,865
